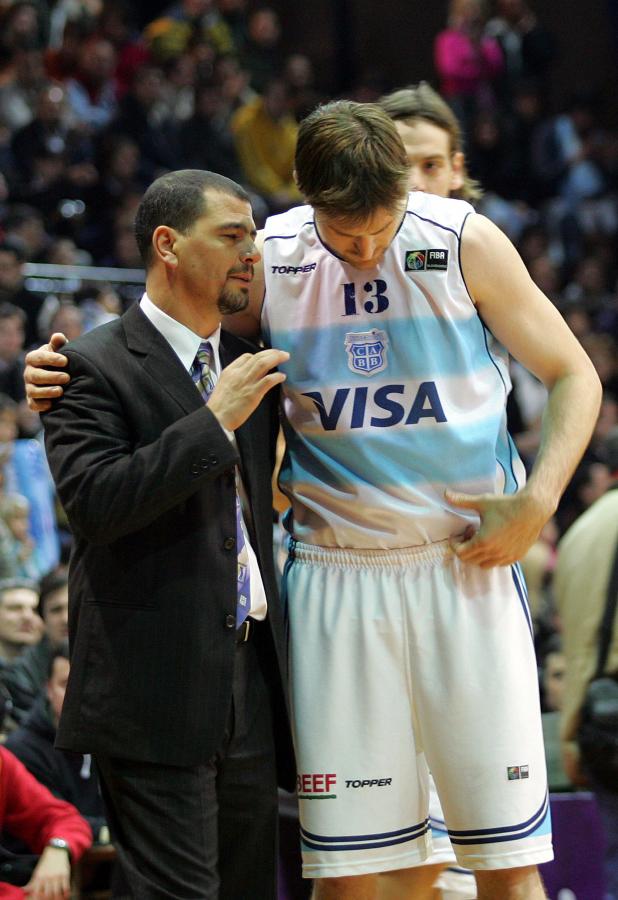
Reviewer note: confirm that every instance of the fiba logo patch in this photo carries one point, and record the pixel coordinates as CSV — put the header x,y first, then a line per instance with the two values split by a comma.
x,y
415,260
366,351
426,260
515,773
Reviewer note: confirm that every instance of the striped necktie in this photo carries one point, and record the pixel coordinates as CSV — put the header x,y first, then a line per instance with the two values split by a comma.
x,y
201,373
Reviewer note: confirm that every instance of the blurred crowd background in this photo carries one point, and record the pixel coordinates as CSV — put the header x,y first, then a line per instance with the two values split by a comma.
x,y
99,97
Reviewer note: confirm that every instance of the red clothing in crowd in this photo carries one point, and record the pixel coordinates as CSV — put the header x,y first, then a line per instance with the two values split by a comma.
x,y
31,813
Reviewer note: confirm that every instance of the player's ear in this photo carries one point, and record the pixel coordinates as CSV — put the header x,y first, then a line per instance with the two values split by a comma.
x,y
458,164
164,241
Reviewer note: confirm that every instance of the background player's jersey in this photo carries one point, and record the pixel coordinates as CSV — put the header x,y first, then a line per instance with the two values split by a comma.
x,y
395,389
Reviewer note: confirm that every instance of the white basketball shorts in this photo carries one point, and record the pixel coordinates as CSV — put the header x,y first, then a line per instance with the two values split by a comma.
x,y
401,661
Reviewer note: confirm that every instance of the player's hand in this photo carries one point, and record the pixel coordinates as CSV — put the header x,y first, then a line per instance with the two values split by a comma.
x,y
51,879
510,524
43,386
242,385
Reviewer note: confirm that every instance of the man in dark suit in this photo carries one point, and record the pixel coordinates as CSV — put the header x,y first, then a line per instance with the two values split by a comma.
x,y
183,710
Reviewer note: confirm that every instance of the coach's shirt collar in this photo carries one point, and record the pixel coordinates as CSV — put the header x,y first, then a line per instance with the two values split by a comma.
x,y
182,340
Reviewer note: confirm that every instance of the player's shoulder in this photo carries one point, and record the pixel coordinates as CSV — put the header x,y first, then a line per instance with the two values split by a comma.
x,y
424,200
445,212
289,223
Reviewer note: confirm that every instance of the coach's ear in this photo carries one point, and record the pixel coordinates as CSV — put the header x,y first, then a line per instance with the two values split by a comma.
x,y
458,164
164,244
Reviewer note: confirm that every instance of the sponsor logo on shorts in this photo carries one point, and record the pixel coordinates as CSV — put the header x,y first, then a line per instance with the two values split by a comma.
x,y
426,260
514,773
368,782
293,270
316,785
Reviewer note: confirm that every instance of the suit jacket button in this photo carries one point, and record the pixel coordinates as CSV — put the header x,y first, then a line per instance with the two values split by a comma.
x,y
230,621
229,543
213,460
195,469
204,463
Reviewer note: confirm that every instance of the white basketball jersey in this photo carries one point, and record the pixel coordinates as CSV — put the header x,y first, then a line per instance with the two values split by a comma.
x,y
395,389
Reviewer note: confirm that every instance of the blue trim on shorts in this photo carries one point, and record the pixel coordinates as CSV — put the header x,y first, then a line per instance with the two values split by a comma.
x,y
383,839
438,826
523,596
507,833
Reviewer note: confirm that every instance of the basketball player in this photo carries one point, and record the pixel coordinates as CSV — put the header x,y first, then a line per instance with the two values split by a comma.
x,y
433,142
410,633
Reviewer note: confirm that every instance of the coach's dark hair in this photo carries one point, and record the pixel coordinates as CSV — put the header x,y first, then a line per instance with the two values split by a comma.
x,y
177,200
350,160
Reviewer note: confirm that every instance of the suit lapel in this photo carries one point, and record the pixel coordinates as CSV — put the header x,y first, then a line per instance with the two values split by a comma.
x,y
159,360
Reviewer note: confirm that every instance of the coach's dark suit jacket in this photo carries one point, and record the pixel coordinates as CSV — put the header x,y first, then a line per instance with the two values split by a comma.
x,y
146,476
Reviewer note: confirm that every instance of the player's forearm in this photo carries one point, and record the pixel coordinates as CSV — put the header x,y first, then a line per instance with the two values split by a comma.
x,y
568,421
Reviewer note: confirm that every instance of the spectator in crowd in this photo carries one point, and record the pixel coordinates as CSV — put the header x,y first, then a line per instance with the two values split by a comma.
x,y
176,100
136,119
63,251
588,483
25,678
23,470
553,668
48,128
69,776
98,305
567,156
467,62
261,55
62,54
265,137
21,25
76,16
527,46
91,92
18,544
24,225
233,82
205,140
18,420
13,291
299,74
68,318
12,332
188,23
9,423
115,21
19,95
586,555
51,828
20,625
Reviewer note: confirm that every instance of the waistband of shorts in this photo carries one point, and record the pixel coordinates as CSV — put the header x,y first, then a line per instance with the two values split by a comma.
x,y
401,557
